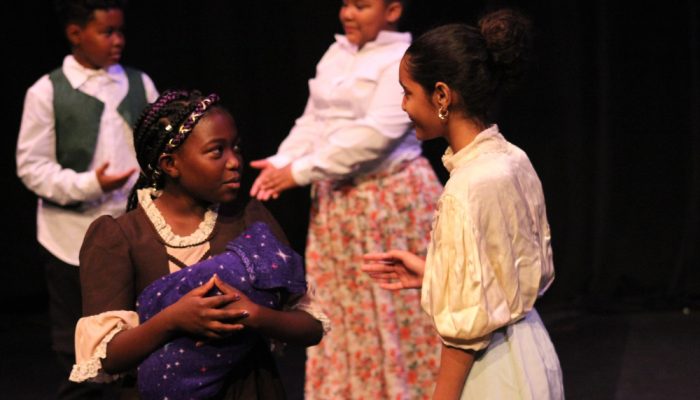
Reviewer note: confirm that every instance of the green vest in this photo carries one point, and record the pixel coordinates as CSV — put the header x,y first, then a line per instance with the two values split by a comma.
x,y
77,116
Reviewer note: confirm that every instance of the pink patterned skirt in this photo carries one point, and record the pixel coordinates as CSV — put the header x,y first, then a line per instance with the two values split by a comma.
x,y
381,344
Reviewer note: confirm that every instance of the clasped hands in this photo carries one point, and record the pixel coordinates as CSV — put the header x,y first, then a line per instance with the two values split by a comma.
x,y
211,318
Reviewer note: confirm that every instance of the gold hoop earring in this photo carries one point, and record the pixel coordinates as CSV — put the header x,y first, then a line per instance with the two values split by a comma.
x,y
443,113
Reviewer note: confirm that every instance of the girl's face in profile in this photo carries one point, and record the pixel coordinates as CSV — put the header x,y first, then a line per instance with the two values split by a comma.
x,y
363,19
419,106
209,162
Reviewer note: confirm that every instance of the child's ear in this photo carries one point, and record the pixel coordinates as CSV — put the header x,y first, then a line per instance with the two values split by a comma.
x,y
442,95
393,12
73,32
166,162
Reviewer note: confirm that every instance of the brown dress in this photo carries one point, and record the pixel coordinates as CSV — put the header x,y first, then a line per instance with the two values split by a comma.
x,y
120,257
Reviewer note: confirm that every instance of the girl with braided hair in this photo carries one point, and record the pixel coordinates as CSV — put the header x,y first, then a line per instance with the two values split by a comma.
x,y
197,326
490,254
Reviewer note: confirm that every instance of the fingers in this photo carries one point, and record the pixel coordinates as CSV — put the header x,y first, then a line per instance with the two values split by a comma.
x,y
125,175
200,291
224,287
102,168
266,194
395,286
220,301
402,255
378,268
259,164
375,256
379,258
217,331
381,273
257,185
263,186
227,316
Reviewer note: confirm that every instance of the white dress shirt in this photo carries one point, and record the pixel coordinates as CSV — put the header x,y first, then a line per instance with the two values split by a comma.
x,y
490,254
353,122
61,230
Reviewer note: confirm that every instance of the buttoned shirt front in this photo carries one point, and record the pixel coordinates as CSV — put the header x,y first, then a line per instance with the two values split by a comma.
x,y
61,230
353,122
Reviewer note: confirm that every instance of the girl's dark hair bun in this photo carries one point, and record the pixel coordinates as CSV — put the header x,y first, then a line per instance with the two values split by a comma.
x,y
507,34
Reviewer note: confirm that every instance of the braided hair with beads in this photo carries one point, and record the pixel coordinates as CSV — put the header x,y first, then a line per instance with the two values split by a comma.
x,y
162,127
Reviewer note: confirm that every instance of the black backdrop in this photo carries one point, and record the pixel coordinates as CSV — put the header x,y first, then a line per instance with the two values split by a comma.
x,y
609,114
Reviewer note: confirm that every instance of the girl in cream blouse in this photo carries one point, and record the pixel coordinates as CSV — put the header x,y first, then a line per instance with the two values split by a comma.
x,y
490,254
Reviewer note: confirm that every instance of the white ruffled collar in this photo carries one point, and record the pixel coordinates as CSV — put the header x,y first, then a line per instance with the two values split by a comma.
x,y
199,236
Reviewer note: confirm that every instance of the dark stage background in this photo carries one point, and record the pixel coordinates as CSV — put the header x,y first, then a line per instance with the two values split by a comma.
x,y
609,115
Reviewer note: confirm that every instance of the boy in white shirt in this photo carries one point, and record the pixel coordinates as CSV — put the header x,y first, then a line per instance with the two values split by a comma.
x,y
75,152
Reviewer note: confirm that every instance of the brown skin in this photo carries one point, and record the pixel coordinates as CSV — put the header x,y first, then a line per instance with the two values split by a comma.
x,y
99,44
455,365
193,314
109,182
297,327
203,171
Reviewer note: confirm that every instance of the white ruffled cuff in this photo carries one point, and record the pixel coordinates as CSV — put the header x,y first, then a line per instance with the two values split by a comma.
x,y
92,334
310,305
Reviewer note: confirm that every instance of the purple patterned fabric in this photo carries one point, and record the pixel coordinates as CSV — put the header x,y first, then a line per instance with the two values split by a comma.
x,y
257,264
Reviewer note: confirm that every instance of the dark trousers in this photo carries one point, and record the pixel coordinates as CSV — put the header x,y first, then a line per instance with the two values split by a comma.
x,y
65,308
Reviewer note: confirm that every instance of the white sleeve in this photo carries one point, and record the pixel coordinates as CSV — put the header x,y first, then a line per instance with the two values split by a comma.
x,y
363,143
37,166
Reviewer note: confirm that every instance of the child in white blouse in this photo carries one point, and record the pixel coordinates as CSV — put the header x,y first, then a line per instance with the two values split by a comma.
x,y
490,255
356,148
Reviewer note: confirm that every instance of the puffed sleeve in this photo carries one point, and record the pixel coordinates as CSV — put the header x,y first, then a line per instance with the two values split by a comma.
x,y
106,270
477,271
106,277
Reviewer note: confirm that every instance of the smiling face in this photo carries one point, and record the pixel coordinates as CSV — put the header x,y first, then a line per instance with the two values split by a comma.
x,y
421,107
208,164
363,19
100,42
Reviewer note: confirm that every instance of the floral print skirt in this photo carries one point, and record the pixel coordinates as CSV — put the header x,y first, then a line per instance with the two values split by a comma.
x,y
381,344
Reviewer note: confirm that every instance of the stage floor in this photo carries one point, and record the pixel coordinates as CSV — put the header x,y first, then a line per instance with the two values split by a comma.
x,y
616,356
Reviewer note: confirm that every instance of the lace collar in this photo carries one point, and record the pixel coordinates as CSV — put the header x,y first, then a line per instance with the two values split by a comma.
x,y
171,239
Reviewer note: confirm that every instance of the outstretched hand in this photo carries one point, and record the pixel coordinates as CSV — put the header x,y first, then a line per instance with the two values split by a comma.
x,y
207,316
271,181
112,181
395,269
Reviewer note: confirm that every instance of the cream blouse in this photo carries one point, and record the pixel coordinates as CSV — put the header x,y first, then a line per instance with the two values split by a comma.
x,y
490,255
